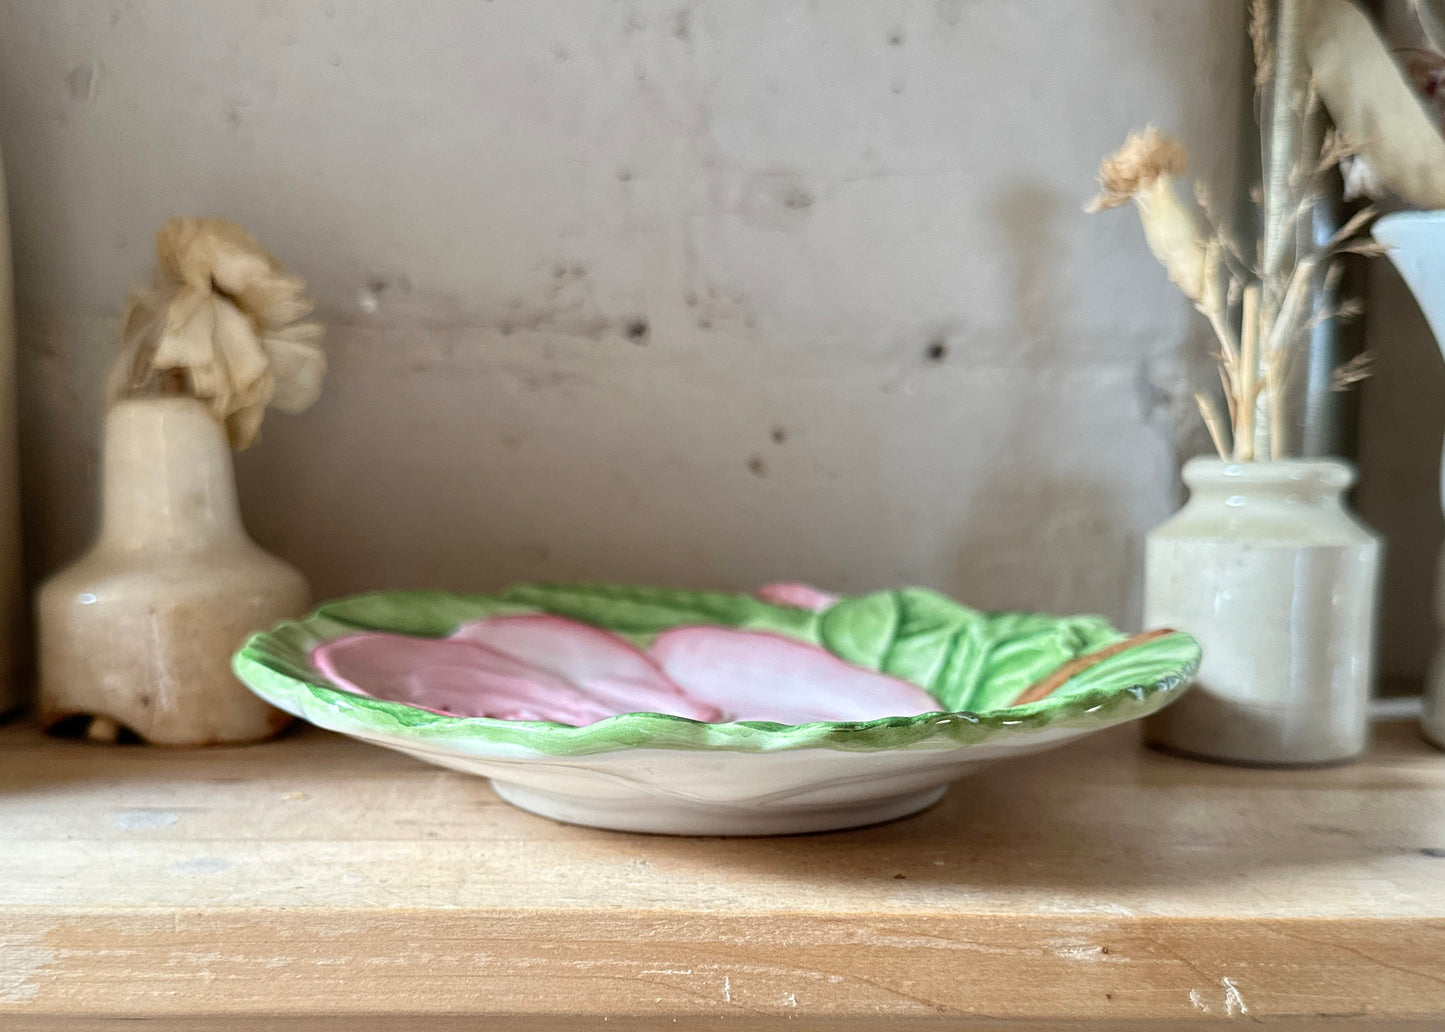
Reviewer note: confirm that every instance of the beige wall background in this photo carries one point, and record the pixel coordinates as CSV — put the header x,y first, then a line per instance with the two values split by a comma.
x,y
689,292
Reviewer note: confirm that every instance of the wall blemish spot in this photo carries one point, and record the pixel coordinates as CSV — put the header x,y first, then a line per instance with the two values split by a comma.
x,y
534,555
368,298
796,199
638,330
937,350
83,81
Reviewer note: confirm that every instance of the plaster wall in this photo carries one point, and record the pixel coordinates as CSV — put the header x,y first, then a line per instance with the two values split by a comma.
x,y
688,292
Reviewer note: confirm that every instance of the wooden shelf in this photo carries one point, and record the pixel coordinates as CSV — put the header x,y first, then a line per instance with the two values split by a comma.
x,y
1102,886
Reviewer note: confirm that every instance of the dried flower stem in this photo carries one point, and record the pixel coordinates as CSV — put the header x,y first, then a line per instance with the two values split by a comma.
x,y
1286,327
1210,413
1259,37
1229,396
1274,378
1245,405
1258,311
1352,372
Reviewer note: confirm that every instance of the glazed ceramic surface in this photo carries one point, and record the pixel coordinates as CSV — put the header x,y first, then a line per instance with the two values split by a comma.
x,y
670,773
1279,582
1416,242
140,631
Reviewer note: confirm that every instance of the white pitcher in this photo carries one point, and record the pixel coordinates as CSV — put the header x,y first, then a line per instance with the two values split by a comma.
x,y
1416,240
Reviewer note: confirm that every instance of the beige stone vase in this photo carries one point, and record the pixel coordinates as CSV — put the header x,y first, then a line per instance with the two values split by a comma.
x,y
1279,582
137,636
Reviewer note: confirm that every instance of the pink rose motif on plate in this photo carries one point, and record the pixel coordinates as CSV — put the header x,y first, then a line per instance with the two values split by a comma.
x,y
543,667
799,596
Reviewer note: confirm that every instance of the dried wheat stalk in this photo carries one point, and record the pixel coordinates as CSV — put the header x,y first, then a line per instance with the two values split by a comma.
x,y
1260,320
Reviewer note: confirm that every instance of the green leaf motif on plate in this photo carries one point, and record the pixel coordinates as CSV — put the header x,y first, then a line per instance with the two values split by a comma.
x,y
974,663
643,613
967,660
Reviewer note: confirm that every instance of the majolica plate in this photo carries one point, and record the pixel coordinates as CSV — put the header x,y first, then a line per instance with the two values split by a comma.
x,y
705,713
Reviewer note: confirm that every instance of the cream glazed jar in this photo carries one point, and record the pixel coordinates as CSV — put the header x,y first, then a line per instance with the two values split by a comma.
x,y
1279,582
138,634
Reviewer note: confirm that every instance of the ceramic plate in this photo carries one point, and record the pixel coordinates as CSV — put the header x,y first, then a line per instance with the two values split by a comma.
x,y
706,713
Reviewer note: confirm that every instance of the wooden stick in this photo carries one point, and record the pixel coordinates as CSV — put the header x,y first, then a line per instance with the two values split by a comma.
x,y
1248,376
1066,673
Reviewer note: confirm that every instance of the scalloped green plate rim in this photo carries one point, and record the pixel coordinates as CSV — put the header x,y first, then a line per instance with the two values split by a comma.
x,y
961,656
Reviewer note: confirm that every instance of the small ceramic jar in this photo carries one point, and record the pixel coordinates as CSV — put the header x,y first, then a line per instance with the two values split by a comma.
x,y
140,632
1279,582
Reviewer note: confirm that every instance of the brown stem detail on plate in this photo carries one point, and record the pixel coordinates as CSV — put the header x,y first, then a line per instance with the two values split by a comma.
x,y
1060,677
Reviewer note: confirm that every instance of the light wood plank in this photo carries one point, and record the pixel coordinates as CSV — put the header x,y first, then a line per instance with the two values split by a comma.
x,y
1089,888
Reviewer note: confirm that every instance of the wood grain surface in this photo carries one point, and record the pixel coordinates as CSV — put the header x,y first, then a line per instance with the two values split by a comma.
x,y
316,882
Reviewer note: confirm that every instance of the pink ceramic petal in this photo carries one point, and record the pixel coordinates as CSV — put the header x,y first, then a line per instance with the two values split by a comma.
x,y
800,596
754,675
455,677
602,665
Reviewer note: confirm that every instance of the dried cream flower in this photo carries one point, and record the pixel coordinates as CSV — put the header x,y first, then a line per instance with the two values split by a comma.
x,y
220,322
1143,171
1138,165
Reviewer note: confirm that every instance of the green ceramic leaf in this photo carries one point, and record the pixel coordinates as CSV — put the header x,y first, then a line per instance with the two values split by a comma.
x,y
966,659
426,614
974,663
643,613
1016,650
